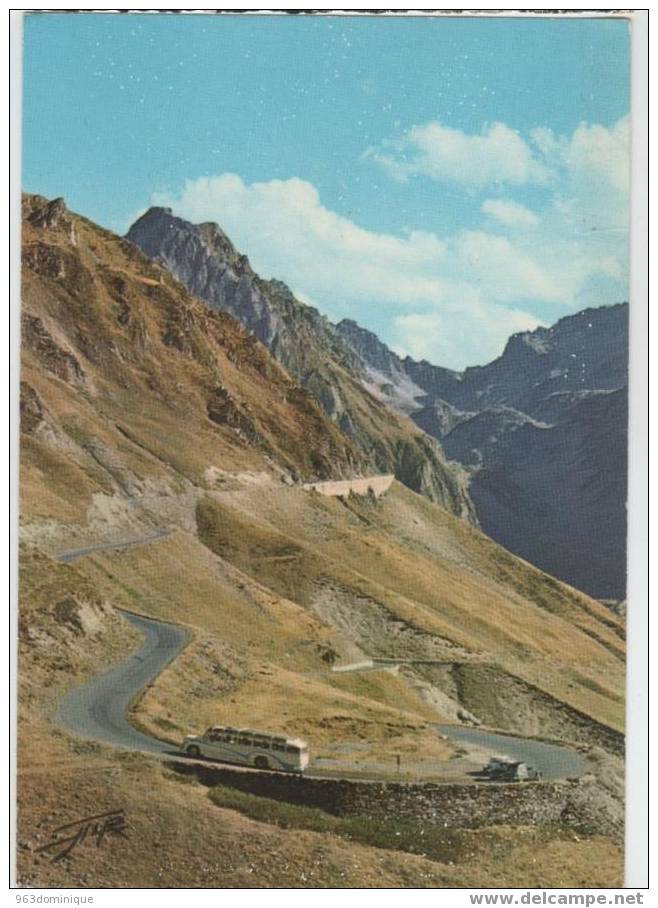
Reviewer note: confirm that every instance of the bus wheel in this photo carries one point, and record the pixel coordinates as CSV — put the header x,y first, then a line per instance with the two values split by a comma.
x,y
193,751
261,763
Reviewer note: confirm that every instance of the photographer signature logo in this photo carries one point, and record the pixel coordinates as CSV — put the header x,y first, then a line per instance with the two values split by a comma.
x,y
67,837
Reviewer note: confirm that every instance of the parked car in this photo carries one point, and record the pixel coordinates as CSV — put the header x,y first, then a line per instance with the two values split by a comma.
x,y
504,769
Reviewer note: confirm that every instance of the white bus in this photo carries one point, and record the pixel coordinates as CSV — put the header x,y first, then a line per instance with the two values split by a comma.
x,y
248,748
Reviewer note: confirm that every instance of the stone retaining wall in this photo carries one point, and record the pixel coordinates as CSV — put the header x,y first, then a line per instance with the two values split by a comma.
x,y
573,803
377,484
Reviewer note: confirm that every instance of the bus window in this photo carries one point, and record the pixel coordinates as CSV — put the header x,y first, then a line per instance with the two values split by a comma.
x,y
292,749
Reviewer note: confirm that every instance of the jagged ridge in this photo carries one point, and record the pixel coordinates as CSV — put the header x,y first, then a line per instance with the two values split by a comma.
x,y
307,345
543,431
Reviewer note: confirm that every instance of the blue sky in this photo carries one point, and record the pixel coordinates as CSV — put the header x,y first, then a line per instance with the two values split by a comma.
x,y
445,182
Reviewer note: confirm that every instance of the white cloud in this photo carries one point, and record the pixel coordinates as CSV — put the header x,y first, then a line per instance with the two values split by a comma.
x,y
602,154
433,335
592,153
496,155
510,213
454,298
288,233
591,172
594,157
583,234
506,270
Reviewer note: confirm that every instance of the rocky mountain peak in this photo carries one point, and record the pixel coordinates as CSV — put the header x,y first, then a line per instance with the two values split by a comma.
x,y
308,345
49,214
369,347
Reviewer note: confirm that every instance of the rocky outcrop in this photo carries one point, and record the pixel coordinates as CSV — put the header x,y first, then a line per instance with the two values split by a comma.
x,y
369,347
31,409
384,370
438,418
60,362
312,350
53,215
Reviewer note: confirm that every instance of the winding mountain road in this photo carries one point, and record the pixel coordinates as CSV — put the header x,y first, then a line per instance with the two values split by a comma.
x,y
74,554
98,710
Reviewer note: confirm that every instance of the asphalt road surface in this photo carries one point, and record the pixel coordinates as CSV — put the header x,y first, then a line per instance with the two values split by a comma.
x,y
98,710
554,761
73,554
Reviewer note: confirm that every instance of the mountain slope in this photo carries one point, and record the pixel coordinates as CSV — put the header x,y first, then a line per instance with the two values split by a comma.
x,y
554,493
104,327
123,433
123,429
307,345
543,432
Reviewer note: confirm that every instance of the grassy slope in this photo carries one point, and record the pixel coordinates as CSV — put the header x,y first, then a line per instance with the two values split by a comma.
x,y
178,837
434,572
